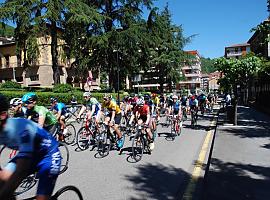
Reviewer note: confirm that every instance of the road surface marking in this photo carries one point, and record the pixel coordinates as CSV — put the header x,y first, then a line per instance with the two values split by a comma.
x,y
188,195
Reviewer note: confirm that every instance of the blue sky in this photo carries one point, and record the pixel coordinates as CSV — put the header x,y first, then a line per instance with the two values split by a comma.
x,y
218,23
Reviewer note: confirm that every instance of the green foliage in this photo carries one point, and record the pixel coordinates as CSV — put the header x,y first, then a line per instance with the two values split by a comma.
x,y
207,65
6,30
62,88
237,71
10,84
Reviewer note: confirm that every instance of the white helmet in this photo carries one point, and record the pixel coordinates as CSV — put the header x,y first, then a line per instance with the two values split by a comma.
x,y
87,94
15,101
174,97
140,102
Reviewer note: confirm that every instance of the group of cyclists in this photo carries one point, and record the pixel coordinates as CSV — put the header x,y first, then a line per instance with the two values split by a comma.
x,y
38,149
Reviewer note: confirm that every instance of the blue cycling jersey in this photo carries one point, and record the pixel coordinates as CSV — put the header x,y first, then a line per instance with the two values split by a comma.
x,y
60,107
176,105
36,144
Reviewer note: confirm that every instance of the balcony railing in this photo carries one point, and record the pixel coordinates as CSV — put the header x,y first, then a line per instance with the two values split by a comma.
x,y
234,53
10,65
193,75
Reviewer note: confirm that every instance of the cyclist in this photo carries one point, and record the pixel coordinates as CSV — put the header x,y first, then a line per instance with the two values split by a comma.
x,y
202,102
38,152
141,113
17,110
113,118
194,104
175,108
92,106
61,115
184,101
39,114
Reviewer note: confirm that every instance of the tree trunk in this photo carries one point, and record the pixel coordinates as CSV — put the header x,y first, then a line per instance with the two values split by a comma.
x,y
55,68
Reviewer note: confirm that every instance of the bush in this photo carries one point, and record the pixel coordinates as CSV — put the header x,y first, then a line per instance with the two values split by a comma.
x,y
10,84
62,88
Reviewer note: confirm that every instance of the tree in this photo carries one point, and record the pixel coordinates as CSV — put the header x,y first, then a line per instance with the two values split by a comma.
x,y
237,74
166,46
207,65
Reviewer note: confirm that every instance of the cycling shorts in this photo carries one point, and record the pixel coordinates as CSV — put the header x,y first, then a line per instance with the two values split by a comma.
x,y
117,118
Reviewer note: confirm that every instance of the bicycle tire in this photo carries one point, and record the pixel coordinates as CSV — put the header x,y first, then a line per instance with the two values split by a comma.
x,y
70,136
64,189
83,138
104,144
65,157
137,147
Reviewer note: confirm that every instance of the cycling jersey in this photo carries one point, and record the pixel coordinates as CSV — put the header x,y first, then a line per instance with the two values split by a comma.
x,y
193,103
156,101
60,107
143,110
93,101
38,111
176,105
36,144
112,106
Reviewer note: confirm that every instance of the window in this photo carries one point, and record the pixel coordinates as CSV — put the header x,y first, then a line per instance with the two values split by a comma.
x,y
34,77
7,61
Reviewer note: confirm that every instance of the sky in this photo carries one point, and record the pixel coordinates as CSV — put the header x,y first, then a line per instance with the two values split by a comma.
x,y
217,23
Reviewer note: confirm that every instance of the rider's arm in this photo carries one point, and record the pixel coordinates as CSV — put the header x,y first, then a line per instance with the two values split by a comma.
x,y
148,116
23,165
81,111
92,111
113,115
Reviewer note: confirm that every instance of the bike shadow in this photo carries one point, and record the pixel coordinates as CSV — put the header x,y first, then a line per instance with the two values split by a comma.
x,y
168,136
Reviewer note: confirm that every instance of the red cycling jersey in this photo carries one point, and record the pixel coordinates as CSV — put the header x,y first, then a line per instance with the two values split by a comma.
x,y
144,110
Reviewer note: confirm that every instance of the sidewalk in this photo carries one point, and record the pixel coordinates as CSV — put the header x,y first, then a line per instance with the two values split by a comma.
x,y
240,163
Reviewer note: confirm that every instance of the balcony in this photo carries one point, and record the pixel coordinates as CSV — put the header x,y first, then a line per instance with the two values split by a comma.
x,y
10,65
190,82
193,75
234,53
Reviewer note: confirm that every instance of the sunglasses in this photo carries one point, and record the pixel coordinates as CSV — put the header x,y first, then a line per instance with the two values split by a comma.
x,y
27,103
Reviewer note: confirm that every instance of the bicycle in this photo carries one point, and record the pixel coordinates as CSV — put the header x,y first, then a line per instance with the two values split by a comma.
x,y
67,192
140,143
194,117
107,140
70,135
175,126
7,154
87,134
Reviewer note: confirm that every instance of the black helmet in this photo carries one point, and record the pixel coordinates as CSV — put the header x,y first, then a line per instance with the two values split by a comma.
x,y
4,104
53,99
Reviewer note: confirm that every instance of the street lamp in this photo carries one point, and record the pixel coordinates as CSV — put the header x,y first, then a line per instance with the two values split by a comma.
x,y
118,29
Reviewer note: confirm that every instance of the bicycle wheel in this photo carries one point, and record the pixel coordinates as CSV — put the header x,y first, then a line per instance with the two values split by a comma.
x,y
177,127
65,157
84,138
67,193
104,144
70,136
173,132
137,147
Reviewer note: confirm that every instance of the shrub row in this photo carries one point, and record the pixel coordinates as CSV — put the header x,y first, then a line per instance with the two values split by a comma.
x,y
44,97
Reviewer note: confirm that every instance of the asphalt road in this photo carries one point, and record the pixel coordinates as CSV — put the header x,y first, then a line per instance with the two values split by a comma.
x,y
162,175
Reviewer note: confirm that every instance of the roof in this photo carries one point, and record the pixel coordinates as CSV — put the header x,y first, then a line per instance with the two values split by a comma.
x,y
239,45
193,52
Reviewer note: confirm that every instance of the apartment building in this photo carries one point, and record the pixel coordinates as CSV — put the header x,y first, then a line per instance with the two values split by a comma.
x,y
258,43
40,72
192,74
237,50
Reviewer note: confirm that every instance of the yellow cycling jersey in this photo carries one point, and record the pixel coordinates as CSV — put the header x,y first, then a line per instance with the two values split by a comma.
x,y
156,101
112,106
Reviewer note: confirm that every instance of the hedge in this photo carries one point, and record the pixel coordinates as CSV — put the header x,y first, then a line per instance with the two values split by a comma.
x,y
44,97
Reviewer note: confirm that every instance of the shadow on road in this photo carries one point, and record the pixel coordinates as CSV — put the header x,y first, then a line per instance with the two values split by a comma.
x,y
158,182
237,181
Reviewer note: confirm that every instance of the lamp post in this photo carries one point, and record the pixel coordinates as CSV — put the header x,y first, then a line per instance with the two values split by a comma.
x,y
118,29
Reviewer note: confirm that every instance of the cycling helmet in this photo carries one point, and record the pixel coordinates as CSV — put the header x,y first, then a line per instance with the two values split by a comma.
x,y
174,97
87,94
29,97
15,101
3,103
53,99
107,96
193,97
140,102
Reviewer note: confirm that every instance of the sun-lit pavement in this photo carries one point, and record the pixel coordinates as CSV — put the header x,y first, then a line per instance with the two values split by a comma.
x,y
162,175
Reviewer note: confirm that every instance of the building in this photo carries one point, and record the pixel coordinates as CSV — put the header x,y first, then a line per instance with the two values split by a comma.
x,y
213,80
39,73
237,50
205,82
192,74
258,42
